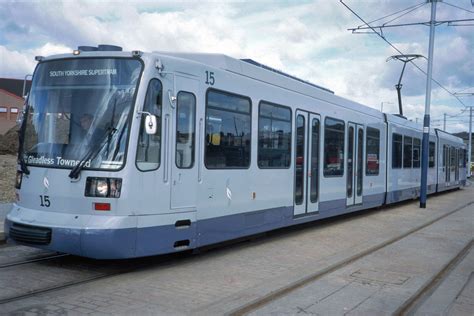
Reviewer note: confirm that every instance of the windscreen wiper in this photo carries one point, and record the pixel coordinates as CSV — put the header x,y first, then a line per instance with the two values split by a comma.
x,y
92,153
23,166
21,140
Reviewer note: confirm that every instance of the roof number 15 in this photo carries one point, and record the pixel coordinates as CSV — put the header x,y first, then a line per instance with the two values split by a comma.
x,y
210,78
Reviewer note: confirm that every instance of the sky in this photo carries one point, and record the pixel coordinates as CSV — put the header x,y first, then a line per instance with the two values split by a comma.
x,y
307,39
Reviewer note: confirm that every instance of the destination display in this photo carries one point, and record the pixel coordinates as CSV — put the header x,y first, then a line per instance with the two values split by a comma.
x,y
88,71
83,72
58,161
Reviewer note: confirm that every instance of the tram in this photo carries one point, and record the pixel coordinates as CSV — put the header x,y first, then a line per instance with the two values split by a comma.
x,y
132,154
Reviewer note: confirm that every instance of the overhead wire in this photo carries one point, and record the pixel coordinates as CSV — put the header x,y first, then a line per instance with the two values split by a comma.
x,y
452,115
404,14
400,52
455,6
416,5
465,89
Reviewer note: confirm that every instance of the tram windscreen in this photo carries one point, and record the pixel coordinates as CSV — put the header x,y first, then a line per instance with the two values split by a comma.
x,y
73,105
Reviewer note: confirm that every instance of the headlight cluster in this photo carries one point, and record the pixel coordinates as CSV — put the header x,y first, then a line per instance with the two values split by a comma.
x,y
103,187
19,178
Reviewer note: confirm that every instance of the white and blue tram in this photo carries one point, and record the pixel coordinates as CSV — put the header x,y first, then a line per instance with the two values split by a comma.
x,y
130,154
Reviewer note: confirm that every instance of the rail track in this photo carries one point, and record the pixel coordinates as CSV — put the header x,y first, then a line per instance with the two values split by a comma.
x,y
72,271
408,306
45,258
87,270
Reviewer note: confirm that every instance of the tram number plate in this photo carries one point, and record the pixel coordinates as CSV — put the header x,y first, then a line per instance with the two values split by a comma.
x,y
210,80
45,202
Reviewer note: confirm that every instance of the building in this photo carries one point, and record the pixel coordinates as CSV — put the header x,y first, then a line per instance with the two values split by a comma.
x,y
11,101
15,86
10,106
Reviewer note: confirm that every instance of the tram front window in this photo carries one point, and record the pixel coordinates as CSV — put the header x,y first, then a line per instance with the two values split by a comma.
x,y
72,105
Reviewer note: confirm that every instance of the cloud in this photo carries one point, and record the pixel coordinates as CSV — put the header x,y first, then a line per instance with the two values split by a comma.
x,y
308,39
14,64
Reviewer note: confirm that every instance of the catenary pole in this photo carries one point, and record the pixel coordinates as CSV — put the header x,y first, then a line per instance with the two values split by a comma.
x,y
469,137
426,119
469,160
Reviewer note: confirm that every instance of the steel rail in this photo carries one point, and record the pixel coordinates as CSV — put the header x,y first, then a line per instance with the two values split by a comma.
x,y
410,306
281,292
12,264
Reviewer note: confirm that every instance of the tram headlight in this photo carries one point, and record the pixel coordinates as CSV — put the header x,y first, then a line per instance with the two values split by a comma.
x,y
19,178
103,187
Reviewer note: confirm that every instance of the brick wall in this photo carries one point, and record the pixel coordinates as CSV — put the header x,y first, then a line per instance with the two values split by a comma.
x,y
10,106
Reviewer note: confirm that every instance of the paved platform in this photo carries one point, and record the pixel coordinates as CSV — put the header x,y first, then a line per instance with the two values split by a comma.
x,y
384,281
455,294
403,249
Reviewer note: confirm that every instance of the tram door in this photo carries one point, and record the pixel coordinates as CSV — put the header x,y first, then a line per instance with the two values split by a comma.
x,y
183,143
307,157
355,164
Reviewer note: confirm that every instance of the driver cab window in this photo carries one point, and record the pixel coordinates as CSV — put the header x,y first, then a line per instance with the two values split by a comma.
x,y
185,119
149,146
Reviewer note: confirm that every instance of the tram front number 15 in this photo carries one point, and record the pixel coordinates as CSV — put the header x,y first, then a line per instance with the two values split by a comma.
x,y
45,201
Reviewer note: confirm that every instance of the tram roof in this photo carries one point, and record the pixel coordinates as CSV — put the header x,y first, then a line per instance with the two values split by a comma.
x,y
252,69
247,68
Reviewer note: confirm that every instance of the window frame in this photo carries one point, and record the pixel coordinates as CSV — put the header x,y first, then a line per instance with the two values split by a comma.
x,y
445,154
304,164
160,126
4,113
452,158
343,147
411,153
258,133
367,152
129,143
400,165
466,158
230,111
429,154
314,198
460,157
419,146
193,161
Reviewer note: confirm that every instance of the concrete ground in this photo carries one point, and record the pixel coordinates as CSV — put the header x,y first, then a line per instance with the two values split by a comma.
x,y
405,249
383,281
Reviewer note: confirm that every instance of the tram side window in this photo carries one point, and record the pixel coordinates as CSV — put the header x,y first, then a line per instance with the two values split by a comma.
x,y
465,158
185,127
460,157
445,153
416,152
149,146
407,151
373,151
432,150
397,150
452,156
228,130
274,136
333,147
